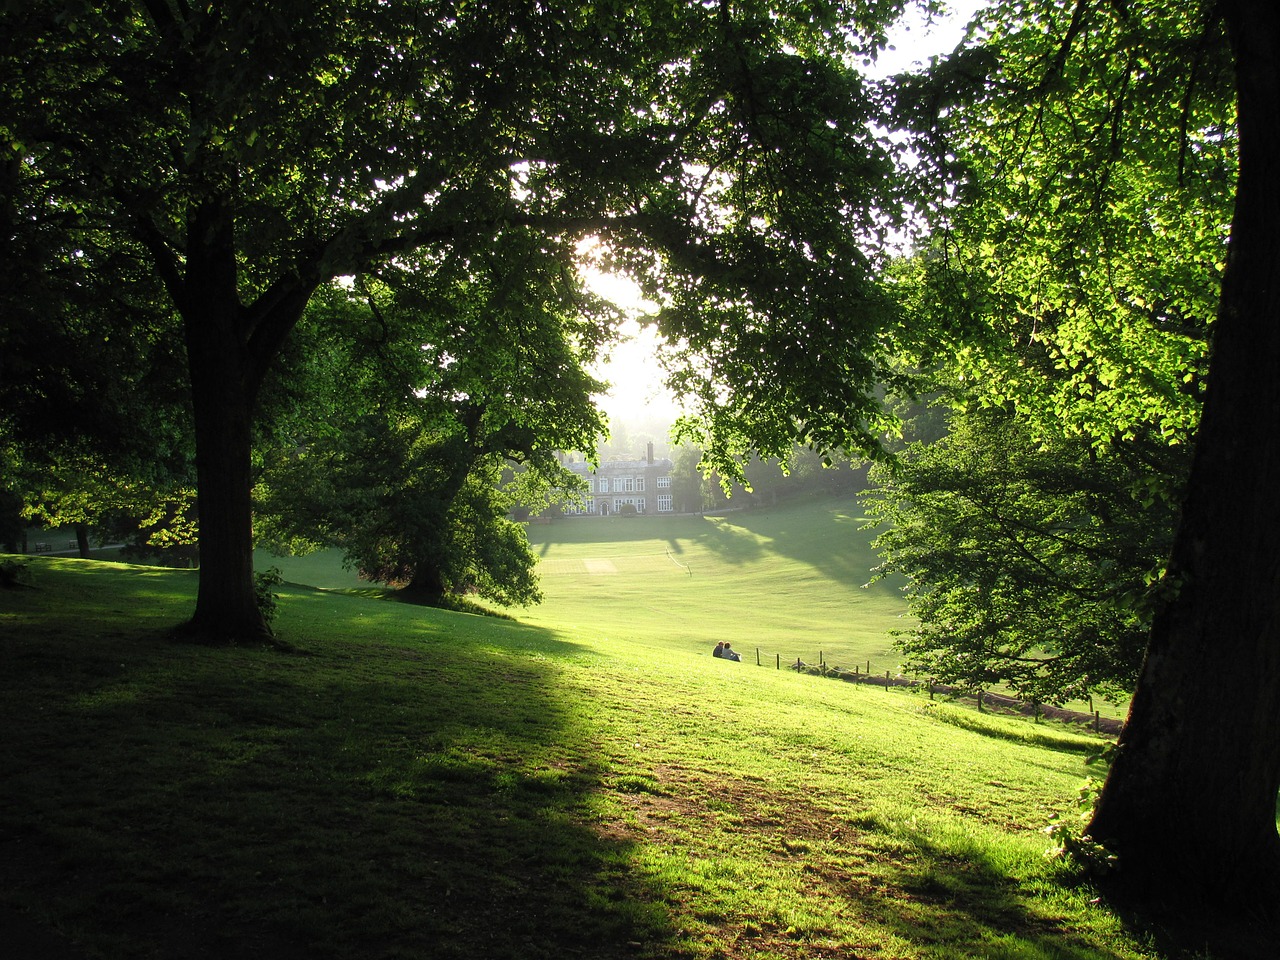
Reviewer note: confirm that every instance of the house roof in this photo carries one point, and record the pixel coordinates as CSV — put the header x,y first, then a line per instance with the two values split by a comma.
x,y
660,464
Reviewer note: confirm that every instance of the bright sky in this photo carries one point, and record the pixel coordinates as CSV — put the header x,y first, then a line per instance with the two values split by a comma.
x,y
637,380
632,368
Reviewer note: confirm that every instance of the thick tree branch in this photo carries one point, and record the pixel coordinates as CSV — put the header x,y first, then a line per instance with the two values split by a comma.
x,y
1186,105
166,262
1059,62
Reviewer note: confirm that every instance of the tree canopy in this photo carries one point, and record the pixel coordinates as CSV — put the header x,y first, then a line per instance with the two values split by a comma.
x,y
1030,563
1086,161
414,393
250,155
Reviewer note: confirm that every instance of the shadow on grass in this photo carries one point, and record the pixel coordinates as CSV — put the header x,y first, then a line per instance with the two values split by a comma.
x,y
727,541
959,905
825,533
1013,730
429,796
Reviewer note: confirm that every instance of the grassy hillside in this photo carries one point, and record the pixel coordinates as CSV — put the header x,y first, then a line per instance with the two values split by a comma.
x,y
426,784
788,581
778,584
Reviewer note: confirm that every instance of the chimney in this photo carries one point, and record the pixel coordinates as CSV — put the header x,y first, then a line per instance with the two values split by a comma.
x,y
649,452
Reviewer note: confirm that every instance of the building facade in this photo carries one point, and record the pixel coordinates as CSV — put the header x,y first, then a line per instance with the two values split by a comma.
x,y
624,486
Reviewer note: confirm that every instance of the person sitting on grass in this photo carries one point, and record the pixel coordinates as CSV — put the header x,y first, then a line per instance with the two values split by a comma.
x,y
719,650
730,654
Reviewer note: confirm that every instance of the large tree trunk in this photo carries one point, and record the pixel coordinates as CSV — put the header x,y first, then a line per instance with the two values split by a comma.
x,y
1190,802
226,604
427,586
222,393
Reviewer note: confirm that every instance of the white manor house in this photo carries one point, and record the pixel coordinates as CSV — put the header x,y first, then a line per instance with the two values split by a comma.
x,y
620,486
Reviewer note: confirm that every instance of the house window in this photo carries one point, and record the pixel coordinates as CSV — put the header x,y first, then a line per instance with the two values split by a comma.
x,y
664,483
639,484
640,504
664,502
629,484
591,485
591,505
603,485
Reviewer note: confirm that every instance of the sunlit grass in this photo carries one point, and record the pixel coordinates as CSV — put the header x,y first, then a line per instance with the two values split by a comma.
x,y
787,583
585,782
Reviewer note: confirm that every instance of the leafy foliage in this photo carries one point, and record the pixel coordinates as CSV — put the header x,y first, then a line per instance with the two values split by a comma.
x,y
1085,156
148,506
265,583
397,447
1069,836
1074,270
1031,564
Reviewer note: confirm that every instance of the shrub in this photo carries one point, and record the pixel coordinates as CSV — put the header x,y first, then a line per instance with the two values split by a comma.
x,y
14,574
264,584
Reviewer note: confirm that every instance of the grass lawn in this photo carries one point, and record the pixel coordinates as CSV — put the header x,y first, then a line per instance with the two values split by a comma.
x,y
584,782
788,583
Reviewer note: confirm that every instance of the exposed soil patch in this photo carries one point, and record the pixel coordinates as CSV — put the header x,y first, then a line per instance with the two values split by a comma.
x,y
923,895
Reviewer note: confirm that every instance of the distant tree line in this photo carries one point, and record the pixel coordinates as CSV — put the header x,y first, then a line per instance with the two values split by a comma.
x,y
763,482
